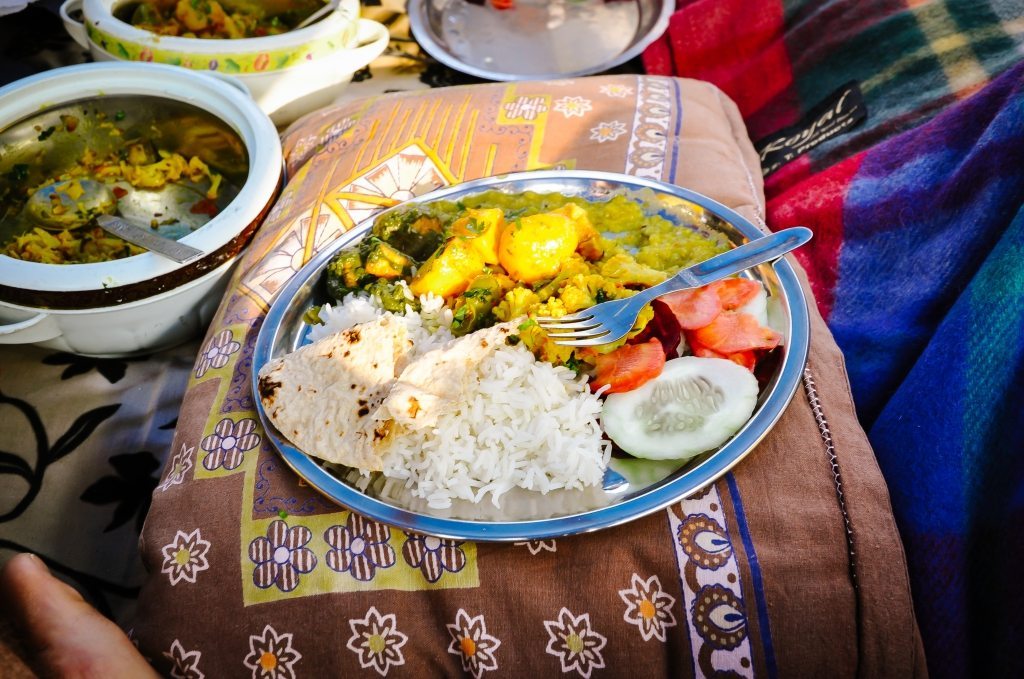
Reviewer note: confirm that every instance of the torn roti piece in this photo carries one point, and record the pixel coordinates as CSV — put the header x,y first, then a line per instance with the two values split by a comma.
x,y
324,396
440,378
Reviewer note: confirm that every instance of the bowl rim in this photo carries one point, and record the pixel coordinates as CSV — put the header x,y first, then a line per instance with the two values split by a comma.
x,y
72,83
418,25
657,496
100,14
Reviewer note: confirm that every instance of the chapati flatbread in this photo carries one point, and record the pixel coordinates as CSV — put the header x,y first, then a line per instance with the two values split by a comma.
x,y
325,396
440,379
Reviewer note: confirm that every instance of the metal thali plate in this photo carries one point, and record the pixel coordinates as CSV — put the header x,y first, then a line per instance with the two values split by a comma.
x,y
536,39
632,488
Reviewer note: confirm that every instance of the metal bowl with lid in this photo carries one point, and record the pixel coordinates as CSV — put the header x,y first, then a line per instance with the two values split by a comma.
x,y
536,39
632,488
146,301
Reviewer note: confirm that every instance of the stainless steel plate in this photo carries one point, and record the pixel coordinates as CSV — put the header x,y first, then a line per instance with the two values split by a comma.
x,y
633,488
536,39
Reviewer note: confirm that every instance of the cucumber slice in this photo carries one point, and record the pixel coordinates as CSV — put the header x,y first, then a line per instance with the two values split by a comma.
x,y
696,404
757,306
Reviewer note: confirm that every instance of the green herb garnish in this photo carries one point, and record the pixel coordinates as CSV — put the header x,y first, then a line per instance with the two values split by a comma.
x,y
459,317
573,363
45,134
528,323
120,114
513,340
476,293
601,296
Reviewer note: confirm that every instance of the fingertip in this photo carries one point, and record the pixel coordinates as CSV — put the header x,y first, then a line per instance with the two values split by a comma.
x,y
30,561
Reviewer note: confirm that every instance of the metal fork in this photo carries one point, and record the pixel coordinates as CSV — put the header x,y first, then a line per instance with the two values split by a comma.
x,y
611,320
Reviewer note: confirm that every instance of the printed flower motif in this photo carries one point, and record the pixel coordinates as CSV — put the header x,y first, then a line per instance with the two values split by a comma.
x,y
146,55
607,131
228,442
573,106
185,556
617,91
216,352
377,641
281,556
433,556
261,62
359,547
538,546
271,655
213,65
472,643
184,665
180,464
525,108
112,369
648,607
577,646
129,489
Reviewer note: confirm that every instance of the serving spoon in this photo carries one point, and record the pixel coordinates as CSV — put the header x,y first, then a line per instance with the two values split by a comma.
x,y
317,15
74,203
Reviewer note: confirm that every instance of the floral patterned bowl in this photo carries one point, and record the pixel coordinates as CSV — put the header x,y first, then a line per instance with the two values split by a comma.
x,y
144,302
287,74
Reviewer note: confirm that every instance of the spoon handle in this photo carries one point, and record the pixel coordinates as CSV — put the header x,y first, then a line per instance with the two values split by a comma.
x,y
172,249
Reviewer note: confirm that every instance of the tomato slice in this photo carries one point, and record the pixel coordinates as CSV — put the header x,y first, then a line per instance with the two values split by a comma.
x,y
629,366
693,308
748,359
732,331
735,292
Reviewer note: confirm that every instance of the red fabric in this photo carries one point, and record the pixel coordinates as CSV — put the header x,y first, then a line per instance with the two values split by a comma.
x,y
753,70
818,204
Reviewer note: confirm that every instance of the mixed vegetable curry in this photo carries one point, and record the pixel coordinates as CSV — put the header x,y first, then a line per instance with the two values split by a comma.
x,y
495,257
223,19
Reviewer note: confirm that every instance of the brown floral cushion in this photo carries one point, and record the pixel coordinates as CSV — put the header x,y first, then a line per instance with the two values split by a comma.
x,y
790,565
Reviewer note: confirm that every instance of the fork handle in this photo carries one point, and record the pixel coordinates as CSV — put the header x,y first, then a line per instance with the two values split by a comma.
x,y
746,256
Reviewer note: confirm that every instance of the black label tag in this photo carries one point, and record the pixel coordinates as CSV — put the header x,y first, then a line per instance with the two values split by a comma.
x,y
840,111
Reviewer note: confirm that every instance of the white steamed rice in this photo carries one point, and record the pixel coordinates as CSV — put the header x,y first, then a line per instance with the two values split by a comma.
x,y
527,424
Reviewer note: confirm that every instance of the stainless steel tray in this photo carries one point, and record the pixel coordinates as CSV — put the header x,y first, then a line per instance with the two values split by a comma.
x,y
632,489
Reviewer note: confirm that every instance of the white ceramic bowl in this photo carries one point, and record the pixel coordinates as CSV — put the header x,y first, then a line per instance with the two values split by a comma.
x,y
145,302
288,74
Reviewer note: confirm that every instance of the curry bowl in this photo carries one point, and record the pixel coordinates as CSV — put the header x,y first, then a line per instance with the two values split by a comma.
x,y
288,74
631,488
536,39
60,124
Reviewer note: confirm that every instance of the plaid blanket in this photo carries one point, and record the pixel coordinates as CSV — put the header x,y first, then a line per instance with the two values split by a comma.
x,y
916,265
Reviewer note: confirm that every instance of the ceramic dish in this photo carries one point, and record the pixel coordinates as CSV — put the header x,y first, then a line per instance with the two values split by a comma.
x,y
627,493
287,74
58,304
536,39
